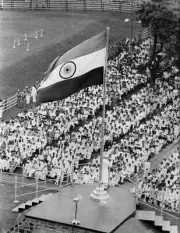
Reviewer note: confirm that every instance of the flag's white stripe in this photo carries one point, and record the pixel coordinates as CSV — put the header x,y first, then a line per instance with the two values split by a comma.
x,y
84,64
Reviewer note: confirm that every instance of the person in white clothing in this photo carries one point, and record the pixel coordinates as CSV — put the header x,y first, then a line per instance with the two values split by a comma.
x,y
147,167
28,97
33,94
105,171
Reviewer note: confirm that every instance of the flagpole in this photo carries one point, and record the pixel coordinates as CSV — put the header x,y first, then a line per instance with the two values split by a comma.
x,y
104,109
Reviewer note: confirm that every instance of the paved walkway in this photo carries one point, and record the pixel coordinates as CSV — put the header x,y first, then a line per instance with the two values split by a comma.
x,y
155,161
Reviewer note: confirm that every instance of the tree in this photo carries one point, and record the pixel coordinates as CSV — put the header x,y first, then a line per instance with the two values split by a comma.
x,y
175,52
163,24
177,58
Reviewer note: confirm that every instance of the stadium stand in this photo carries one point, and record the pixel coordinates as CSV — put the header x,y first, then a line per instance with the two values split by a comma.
x,y
121,6
164,180
57,137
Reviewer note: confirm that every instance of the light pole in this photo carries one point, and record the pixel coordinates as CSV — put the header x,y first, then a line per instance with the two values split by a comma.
x,y
132,25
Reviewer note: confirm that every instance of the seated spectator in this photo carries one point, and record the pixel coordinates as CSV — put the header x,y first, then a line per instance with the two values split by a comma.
x,y
163,184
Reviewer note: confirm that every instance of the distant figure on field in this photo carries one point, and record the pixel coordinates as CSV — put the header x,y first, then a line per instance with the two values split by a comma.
x,y
28,97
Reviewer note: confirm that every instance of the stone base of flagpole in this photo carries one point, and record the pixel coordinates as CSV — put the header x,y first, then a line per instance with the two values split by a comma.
x,y
100,194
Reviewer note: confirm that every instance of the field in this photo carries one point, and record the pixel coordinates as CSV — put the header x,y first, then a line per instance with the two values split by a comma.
x,y
19,68
8,218
62,31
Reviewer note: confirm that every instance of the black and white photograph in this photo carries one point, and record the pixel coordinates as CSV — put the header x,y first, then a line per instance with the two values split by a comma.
x,y
89,116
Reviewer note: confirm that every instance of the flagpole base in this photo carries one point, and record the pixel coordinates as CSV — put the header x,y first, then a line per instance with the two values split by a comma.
x,y
100,194
75,222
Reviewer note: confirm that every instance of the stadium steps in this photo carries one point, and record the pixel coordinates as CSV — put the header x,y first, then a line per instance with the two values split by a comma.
x,y
30,203
166,226
146,215
158,220
173,229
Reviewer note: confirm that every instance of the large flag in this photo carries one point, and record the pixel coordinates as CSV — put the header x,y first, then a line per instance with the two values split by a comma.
x,y
81,67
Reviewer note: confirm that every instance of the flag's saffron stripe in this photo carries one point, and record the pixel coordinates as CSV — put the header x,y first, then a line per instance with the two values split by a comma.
x,y
68,87
89,46
84,64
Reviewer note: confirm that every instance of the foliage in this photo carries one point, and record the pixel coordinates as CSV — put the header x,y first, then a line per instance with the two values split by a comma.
x,y
163,23
177,46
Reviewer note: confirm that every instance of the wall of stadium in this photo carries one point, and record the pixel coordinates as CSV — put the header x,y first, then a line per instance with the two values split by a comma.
x,y
69,5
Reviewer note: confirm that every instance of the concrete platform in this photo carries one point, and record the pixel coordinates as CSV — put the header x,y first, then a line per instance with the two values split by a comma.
x,y
93,215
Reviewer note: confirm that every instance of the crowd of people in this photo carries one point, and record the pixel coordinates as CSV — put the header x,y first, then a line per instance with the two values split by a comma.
x,y
54,139
148,138
81,143
162,186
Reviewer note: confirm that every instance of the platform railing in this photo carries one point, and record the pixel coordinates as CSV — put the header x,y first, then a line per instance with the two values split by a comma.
x,y
19,183
162,211
40,187
163,204
11,181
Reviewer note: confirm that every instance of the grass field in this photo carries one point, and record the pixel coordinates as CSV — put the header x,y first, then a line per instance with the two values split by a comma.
x,y
7,217
62,31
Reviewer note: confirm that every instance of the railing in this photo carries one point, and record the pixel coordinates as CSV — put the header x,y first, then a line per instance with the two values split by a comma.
x,y
12,101
39,186
174,220
9,103
163,204
19,182
69,5
163,207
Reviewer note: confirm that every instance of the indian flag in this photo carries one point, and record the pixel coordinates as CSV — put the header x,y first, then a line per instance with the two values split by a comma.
x,y
81,67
